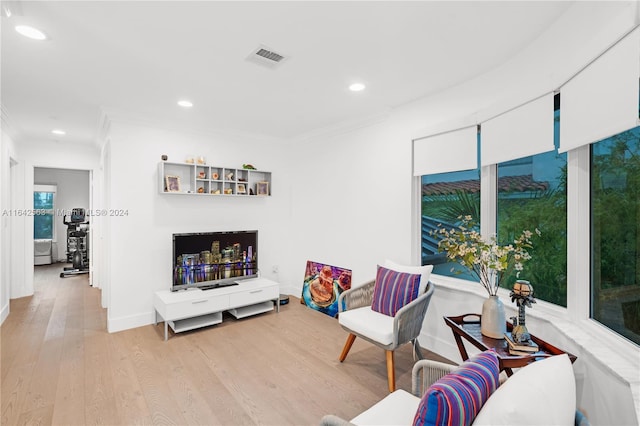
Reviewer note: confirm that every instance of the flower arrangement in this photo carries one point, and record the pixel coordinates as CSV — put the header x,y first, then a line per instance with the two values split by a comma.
x,y
488,260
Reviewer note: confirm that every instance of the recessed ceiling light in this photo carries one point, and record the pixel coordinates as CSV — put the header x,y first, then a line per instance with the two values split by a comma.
x,y
185,104
357,87
32,33
58,132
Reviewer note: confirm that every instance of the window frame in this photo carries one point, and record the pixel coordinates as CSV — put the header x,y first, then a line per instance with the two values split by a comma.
x,y
51,189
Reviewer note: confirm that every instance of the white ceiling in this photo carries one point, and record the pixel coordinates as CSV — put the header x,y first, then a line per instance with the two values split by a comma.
x,y
139,58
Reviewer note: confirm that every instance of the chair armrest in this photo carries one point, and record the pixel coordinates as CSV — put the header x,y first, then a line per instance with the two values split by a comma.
x,y
332,420
407,323
426,372
356,297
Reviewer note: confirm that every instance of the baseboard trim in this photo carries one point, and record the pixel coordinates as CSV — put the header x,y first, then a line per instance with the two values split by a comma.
x,y
132,321
4,313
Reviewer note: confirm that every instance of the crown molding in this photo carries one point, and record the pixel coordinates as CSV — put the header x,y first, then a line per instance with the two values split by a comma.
x,y
6,124
341,128
110,116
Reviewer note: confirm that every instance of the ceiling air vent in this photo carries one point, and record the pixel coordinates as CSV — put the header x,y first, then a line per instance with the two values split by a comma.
x,y
265,56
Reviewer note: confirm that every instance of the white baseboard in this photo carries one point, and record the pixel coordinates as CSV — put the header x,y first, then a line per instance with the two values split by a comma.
x,y
4,313
132,321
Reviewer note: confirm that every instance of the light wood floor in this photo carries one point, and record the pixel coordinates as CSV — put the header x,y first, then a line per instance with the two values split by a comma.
x,y
60,366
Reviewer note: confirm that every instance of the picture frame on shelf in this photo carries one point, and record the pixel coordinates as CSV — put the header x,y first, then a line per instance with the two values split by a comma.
x,y
172,183
262,188
242,189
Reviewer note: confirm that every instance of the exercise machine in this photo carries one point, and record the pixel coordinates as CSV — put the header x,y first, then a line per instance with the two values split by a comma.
x,y
77,243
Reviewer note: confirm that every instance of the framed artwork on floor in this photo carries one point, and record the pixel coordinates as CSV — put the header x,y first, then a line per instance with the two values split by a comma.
x,y
322,286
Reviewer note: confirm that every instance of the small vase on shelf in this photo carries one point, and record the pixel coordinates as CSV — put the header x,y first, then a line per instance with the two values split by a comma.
x,y
493,322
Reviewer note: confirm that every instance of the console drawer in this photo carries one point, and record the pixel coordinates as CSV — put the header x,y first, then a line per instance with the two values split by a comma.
x,y
255,295
197,306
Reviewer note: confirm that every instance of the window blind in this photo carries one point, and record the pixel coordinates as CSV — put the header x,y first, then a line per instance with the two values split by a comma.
x,y
602,100
446,152
521,132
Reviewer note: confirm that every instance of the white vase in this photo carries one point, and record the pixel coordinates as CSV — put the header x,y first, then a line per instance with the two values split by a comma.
x,y
493,321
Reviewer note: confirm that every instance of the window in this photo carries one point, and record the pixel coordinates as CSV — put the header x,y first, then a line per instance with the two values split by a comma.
x,y
43,207
532,193
445,197
615,233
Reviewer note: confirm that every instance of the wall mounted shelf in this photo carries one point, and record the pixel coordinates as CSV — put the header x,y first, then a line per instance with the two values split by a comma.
x,y
202,179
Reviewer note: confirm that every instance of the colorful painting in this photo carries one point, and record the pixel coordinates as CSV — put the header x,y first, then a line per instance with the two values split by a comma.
x,y
322,286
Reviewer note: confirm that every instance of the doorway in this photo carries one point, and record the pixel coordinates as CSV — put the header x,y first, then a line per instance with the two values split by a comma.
x,y
68,189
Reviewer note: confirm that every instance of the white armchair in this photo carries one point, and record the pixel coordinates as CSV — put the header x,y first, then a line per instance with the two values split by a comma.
x,y
360,320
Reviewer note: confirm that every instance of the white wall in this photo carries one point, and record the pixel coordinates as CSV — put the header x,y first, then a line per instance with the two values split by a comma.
x,y
351,201
72,191
7,152
140,244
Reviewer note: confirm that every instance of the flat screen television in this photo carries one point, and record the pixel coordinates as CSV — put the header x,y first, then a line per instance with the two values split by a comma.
x,y
214,259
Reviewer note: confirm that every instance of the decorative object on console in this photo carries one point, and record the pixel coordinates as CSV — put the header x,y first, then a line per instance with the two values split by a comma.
x,y
172,183
248,167
322,286
522,294
242,189
202,175
200,190
489,261
164,157
201,160
520,348
229,176
215,176
493,322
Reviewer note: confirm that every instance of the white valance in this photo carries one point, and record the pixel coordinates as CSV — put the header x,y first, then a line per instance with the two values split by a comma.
x,y
602,100
520,132
456,150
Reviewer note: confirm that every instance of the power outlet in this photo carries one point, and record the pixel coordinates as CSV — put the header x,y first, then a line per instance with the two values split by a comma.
x,y
274,269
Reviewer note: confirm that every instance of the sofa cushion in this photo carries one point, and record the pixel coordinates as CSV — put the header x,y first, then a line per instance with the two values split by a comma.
x,y
542,393
424,271
397,408
457,398
393,290
374,325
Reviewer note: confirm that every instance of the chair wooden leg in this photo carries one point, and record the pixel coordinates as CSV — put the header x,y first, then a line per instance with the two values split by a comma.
x,y
347,346
391,372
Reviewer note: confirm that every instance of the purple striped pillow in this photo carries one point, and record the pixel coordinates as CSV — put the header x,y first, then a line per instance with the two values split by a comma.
x,y
456,399
393,290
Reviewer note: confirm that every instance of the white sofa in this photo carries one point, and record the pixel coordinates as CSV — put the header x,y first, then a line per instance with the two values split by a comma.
x,y
540,393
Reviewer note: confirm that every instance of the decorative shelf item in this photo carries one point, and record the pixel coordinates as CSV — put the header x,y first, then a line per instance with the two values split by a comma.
x,y
197,178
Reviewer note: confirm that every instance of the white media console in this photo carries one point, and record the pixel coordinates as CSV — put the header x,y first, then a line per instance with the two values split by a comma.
x,y
189,309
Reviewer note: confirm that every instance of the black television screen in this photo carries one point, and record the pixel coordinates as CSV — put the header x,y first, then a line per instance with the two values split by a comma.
x,y
212,259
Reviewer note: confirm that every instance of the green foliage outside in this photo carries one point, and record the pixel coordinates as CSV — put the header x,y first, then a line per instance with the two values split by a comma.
x,y
615,231
616,212
43,219
615,239
547,211
450,207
